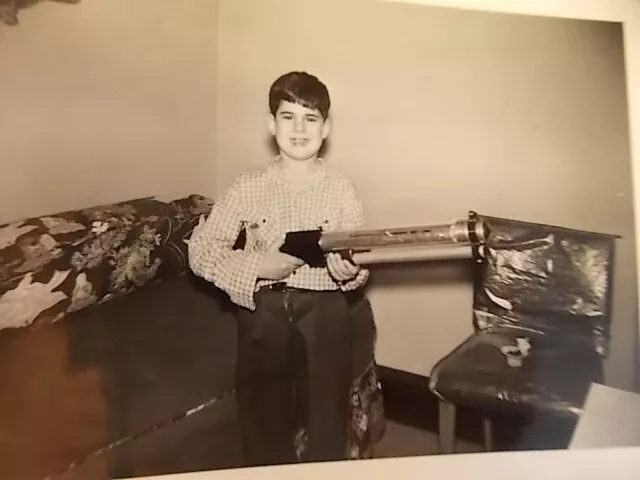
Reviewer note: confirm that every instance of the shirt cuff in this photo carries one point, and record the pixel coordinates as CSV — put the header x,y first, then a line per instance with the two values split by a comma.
x,y
241,288
355,283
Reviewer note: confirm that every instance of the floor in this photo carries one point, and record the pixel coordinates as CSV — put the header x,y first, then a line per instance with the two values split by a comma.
x,y
202,442
210,440
406,441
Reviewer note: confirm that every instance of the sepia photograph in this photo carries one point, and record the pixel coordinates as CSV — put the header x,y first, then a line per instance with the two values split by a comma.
x,y
334,236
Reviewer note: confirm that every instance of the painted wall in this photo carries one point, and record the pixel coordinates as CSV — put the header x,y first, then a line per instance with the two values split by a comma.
x,y
438,111
105,101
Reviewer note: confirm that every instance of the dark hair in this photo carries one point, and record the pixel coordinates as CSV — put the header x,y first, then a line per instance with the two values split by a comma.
x,y
301,88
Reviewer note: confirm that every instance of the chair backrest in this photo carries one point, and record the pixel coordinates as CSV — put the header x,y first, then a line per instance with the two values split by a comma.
x,y
548,279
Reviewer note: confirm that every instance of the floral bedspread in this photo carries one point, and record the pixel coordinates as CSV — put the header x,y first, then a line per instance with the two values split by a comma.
x,y
56,264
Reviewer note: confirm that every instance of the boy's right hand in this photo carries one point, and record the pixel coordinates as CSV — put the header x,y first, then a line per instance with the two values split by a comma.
x,y
277,265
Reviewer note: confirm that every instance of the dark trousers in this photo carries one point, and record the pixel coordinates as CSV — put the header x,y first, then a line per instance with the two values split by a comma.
x,y
293,376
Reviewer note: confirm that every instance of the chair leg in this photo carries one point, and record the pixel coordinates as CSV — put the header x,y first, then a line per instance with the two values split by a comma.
x,y
447,427
488,433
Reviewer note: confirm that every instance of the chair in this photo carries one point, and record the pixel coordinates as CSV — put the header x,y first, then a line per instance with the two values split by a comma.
x,y
541,315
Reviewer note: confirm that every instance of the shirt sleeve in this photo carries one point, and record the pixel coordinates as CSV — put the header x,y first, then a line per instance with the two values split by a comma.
x,y
211,254
353,218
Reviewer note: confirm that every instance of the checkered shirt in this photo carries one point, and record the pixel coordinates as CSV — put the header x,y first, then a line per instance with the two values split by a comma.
x,y
263,203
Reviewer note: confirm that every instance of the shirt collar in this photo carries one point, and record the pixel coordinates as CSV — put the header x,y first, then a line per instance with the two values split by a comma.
x,y
275,170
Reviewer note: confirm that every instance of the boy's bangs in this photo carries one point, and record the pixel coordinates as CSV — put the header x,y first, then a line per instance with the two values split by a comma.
x,y
307,101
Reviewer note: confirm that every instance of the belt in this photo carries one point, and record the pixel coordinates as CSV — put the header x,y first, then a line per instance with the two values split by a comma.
x,y
277,287
352,297
283,287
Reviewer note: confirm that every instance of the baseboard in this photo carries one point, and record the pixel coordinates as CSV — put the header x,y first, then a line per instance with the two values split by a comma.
x,y
409,401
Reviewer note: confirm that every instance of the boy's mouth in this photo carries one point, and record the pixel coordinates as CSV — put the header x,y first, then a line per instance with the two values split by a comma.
x,y
299,142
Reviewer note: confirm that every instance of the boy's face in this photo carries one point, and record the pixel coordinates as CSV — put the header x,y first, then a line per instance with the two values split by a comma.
x,y
299,131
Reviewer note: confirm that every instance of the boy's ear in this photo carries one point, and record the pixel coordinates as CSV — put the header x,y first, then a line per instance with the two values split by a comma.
x,y
326,128
271,124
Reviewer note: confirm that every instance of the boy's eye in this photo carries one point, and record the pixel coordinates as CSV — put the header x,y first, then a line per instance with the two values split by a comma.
x,y
312,119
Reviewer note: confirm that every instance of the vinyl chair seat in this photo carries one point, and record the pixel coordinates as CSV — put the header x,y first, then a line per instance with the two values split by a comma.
x,y
554,377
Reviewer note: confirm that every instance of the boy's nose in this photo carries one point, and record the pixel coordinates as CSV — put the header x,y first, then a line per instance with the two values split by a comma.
x,y
300,125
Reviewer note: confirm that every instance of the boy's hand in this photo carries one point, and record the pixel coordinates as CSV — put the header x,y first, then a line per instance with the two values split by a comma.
x,y
277,265
340,268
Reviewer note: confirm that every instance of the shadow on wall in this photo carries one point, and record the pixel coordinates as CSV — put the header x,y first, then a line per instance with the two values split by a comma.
x,y
421,274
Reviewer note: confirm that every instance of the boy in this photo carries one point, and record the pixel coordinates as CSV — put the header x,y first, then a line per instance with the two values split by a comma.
x,y
294,342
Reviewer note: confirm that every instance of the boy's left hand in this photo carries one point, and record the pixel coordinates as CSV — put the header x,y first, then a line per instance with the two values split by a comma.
x,y
340,268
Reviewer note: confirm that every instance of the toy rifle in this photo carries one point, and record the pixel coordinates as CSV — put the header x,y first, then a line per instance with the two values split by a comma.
x,y
460,239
